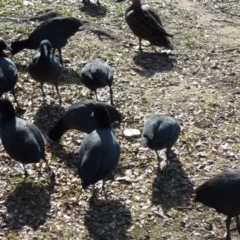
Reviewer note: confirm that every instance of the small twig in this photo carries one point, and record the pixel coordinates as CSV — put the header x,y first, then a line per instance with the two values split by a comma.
x,y
195,72
238,92
130,121
231,49
181,208
237,15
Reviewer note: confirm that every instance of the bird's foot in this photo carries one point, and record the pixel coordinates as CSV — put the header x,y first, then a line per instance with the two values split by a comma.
x,y
26,174
44,96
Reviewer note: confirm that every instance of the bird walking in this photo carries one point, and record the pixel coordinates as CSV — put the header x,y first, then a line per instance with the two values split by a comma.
x,y
22,140
96,74
160,131
100,151
45,67
222,193
146,24
57,30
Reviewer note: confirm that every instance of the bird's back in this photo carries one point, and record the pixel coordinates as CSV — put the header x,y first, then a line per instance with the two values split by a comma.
x,y
99,155
161,131
222,192
78,117
8,75
22,140
56,30
96,74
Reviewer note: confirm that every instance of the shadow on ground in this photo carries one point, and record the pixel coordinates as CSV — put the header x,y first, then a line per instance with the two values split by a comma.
x,y
93,9
46,115
108,220
45,118
151,62
70,159
27,205
171,187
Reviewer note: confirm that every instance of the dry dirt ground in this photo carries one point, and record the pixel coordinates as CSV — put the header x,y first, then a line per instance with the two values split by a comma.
x,y
195,83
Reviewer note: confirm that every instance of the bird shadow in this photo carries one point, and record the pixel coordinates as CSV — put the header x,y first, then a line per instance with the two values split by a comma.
x,y
46,114
70,159
171,186
70,76
94,10
27,205
108,220
151,62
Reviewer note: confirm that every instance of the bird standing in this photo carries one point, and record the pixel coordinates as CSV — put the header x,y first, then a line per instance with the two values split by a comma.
x,y
96,74
99,152
45,67
146,24
57,30
160,131
8,71
22,140
222,192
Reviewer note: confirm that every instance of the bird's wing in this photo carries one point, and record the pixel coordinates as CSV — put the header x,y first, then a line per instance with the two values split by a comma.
x,y
29,143
153,13
151,26
89,162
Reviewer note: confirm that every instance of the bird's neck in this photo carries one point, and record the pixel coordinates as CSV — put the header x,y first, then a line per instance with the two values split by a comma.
x,y
20,45
104,122
3,54
44,58
7,115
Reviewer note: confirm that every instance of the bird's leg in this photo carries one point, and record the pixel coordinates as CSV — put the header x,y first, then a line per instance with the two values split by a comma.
x,y
168,150
111,93
159,159
96,94
93,199
25,171
238,224
52,174
60,55
43,93
60,100
13,93
15,99
228,221
140,44
103,187
93,191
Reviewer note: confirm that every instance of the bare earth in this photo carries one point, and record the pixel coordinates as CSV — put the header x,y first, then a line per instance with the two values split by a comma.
x,y
194,83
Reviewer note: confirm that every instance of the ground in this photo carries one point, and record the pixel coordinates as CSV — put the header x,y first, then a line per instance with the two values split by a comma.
x,y
196,83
